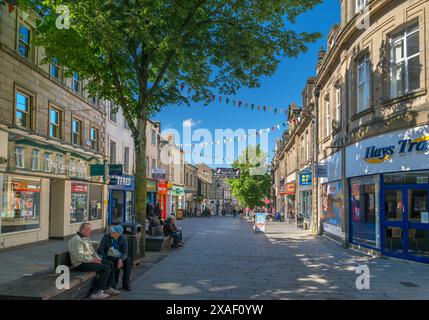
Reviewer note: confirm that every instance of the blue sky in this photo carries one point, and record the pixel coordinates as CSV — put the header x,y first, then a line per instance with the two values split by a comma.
x,y
279,90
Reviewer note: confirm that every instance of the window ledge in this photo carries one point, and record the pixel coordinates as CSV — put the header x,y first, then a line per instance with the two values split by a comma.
x,y
407,96
362,113
326,139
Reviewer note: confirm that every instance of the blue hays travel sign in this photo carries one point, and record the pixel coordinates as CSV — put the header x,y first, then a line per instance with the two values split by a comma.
x,y
375,155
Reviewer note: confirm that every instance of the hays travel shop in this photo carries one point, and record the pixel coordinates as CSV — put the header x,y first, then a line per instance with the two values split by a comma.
x,y
376,155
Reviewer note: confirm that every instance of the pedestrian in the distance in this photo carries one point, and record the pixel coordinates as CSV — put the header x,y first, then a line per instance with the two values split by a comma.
x,y
234,213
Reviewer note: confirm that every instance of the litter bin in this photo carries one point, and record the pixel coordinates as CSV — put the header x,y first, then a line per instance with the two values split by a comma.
x,y
133,234
179,214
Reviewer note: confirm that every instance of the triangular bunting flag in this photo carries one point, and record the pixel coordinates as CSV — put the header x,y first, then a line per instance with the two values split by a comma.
x,y
253,106
213,98
259,108
11,7
233,103
182,86
189,90
220,99
227,101
265,108
246,105
275,111
239,104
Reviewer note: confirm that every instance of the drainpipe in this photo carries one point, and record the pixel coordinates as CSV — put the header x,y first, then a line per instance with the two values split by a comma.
x,y
315,160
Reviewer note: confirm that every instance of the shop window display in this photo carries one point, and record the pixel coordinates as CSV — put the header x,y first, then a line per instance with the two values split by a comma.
x,y
20,205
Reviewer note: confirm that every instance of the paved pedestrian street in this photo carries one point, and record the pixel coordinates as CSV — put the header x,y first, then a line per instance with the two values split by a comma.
x,y
225,259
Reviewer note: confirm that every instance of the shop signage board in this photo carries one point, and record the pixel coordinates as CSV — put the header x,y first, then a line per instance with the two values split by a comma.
x,y
228,173
305,178
163,187
321,171
96,170
150,186
404,150
158,174
124,180
290,188
116,169
79,188
260,221
26,187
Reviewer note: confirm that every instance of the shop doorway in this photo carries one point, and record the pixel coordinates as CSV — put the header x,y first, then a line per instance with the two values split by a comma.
x,y
405,222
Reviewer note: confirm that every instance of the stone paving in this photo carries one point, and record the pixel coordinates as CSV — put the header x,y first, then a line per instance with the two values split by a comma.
x,y
225,259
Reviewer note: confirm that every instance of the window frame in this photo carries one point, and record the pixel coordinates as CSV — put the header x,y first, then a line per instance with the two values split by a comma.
x,y
94,142
27,45
112,143
113,116
338,105
154,137
327,116
22,157
80,133
29,113
361,5
126,159
47,162
76,82
363,61
33,157
60,120
398,37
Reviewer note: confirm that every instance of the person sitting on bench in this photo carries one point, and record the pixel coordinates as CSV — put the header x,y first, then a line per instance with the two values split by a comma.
x,y
177,229
170,230
84,258
114,247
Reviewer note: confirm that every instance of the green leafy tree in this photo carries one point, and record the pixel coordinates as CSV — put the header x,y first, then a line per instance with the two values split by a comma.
x,y
254,184
137,53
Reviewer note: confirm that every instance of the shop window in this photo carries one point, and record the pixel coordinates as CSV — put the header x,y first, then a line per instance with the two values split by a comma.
x,y
35,162
405,62
364,210
79,203
129,208
23,110
95,202
333,207
19,157
117,207
20,209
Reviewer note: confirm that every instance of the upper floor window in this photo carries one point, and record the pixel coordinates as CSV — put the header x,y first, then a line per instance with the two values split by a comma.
x,y
112,152
35,155
405,62
126,159
47,162
327,116
55,70
24,44
112,113
54,123
338,97
360,5
76,83
23,110
363,83
154,164
94,139
126,126
19,157
77,132
153,137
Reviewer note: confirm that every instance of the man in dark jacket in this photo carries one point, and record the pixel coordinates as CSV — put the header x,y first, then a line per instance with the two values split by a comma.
x,y
170,230
114,247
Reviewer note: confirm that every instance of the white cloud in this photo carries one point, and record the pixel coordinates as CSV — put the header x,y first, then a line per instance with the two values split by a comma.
x,y
191,123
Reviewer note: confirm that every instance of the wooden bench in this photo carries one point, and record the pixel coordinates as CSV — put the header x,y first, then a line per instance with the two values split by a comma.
x,y
42,285
158,243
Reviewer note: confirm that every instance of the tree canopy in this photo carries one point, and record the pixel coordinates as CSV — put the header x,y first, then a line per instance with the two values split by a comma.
x,y
254,184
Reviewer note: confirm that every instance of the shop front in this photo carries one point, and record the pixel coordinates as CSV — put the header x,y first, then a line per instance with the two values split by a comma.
x,y
121,199
332,198
162,197
151,190
305,197
389,186
177,198
289,194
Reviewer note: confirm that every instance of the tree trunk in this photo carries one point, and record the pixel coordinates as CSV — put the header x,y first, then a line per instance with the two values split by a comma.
x,y
141,186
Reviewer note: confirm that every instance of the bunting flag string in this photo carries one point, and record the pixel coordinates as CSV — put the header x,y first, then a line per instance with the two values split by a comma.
x,y
240,103
258,133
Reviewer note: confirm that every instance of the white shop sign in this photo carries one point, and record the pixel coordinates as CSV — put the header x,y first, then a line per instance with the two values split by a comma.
x,y
405,150
333,165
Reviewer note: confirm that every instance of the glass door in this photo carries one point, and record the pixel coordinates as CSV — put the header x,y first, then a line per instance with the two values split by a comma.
x,y
406,223
418,224
393,230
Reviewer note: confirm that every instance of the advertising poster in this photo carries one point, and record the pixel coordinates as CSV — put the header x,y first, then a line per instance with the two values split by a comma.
x,y
260,221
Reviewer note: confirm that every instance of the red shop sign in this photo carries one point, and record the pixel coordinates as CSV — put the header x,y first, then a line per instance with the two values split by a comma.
x,y
163,187
25,187
79,188
290,188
